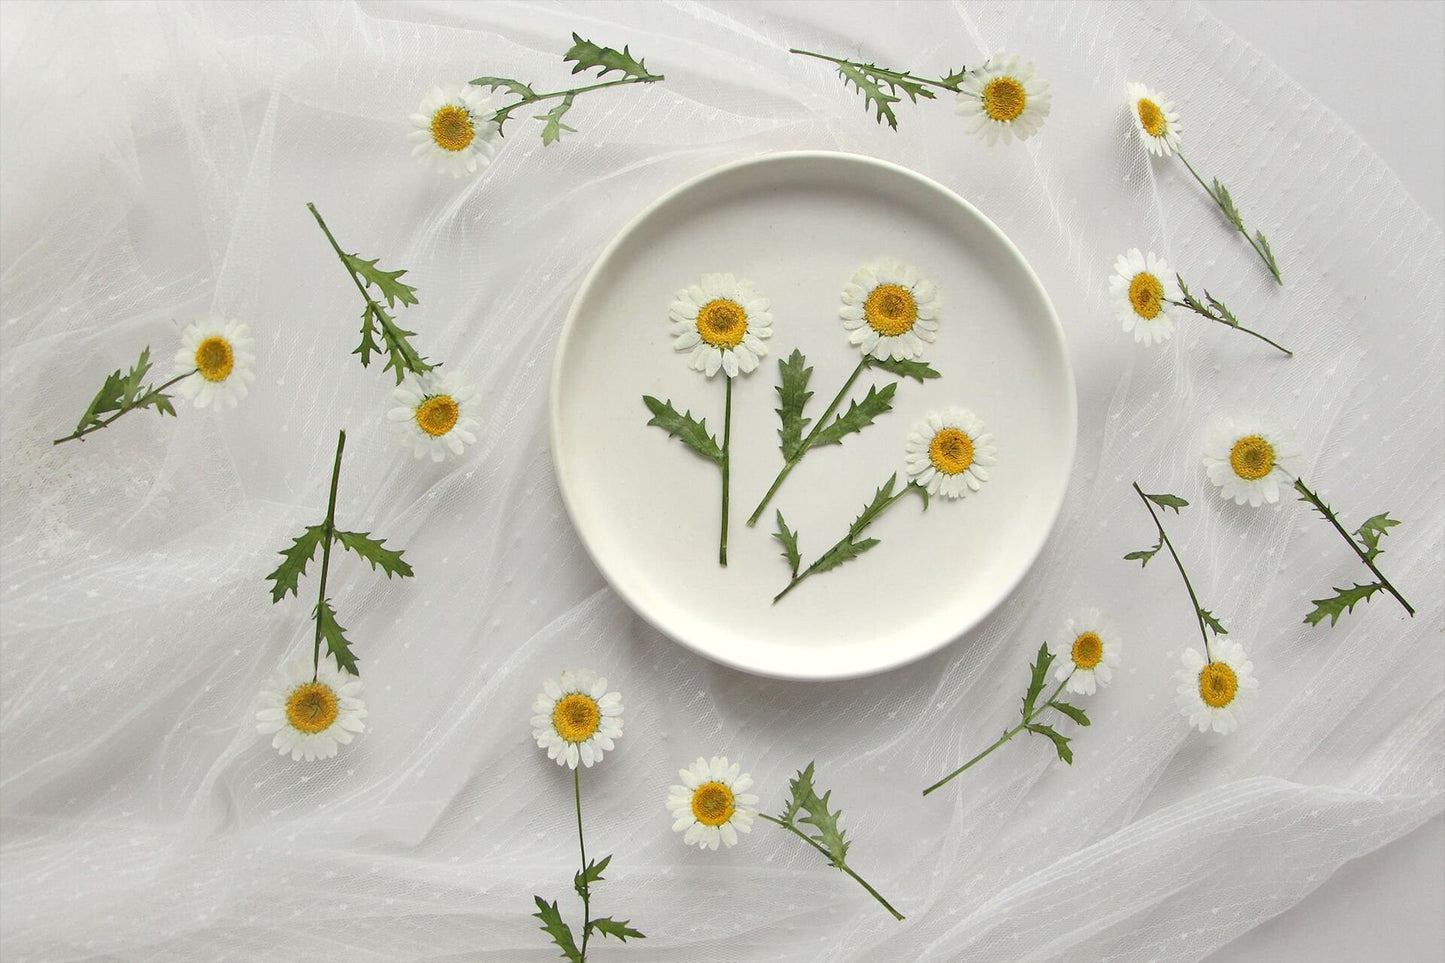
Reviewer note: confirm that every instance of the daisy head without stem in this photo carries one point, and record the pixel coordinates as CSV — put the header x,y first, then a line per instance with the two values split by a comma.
x,y
1154,119
949,452
1248,463
435,415
1212,695
890,310
311,717
218,353
576,719
713,804
1086,652
454,130
1141,288
1004,99
722,321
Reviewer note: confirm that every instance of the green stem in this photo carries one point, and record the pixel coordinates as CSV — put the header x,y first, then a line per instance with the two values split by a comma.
x,y
1330,516
1001,739
850,536
1164,537
341,255
328,529
505,114
873,68
843,866
582,846
722,551
1238,225
82,432
1204,312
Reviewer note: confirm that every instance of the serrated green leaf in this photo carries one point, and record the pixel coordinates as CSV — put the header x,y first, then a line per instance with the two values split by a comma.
x,y
793,395
582,882
798,786
334,635
1072,711
687,429
882,498
617,929
1038,677
1221,313
374,550
387,282
1344,600
805,798
1226,204
1144,555
401,356
552,129
954,81
1168,501
1061,742
294,560
872,92
789,540
121,392
1268,255
860,415
522,90
844,551
587,55
1374,528
559,931
919,371
1214,624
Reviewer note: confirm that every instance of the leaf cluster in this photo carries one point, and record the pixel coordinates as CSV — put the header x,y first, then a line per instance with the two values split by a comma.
x,y
376,320
1216,311
1221,196
870,80
1164,501
684,427
122,391
1366,540
860,415
561,934
1038,677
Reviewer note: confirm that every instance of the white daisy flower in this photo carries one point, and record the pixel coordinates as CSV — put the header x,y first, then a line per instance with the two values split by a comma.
x,y
1155,119
575,718
311,716
1142,288
1086,651
713,803
1004,100
1248,463
1212,694
723,321
890,310
455,130
948,452
435,415
220,353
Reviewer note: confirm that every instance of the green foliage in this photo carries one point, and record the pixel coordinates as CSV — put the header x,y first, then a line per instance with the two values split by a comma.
x,y
1168,501
805,798
919,371
552,129
870,80
687,429
860,415
789,540
1038,676
865,80
1214,625
1060,741
334,635
587,55
1144,555
293,562
882,498
844,551
1072,711
1375,528
1344,600
1216,311
617,929
1226,204
592,873
1268,255
559,931
793,395
374,550
954,80
516,87
122,391
389,283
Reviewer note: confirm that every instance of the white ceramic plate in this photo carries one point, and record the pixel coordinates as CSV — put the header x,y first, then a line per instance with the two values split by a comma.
x,y
646,506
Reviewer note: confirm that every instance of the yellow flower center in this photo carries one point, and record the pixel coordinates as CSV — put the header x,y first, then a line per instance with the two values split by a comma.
x,y
576,717
1146,294
890,309
1217,685
451,128
312,707
1152,118
1004,98
712,804
1088,650
437,415
1252,458
214,359
722,323
951,451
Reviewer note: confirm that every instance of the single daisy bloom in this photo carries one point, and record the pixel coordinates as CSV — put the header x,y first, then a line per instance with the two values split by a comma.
x,y
219,352
455,130
1155,119
1212,694
1003,100
575,718
949,453
1141,289
713,803
1248,464
723,322
890,310
1085,652
311,716
435,415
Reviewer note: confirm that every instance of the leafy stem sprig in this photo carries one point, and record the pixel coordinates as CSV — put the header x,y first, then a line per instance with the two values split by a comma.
x,y
1216,311
694,434
1201,614
401,356
1031,709
793,395
849,546
1366,543
1220,195
870,79
829,839
584,55
286,579
123,392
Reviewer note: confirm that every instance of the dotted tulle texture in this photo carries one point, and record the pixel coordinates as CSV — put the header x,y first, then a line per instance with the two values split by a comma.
x,y
157,160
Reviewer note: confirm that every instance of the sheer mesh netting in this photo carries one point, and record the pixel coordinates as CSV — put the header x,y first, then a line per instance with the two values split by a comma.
x,y
157,161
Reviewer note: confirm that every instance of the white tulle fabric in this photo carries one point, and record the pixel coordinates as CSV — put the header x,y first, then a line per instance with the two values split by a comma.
x,y
157,160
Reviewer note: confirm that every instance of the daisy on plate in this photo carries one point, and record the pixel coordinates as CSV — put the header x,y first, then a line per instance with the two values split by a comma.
x,y
1213,692
435,415
890,310
1248,463
722,321
713,803
1141,288
217,353
1086,652
1155,119
454,130
1004,99
576,719
949,452
311,712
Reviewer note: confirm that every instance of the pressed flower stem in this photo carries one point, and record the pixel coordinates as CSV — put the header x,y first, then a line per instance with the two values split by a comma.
x,y
101,424
1001,739
342,255
874,68
505,114
1238,225
814,843
722,551
329,528
808,440
1204,312
1164,537
586,888
1330,516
